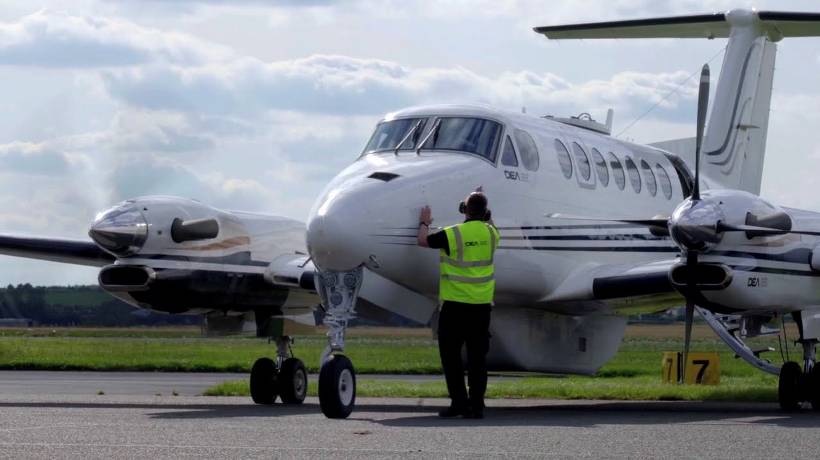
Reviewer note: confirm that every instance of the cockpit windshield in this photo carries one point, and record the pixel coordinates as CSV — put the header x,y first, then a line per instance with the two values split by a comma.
x,y
472,135
403,133
462,134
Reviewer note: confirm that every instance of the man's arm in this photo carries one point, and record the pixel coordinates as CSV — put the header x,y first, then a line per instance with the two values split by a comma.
x,y
425,219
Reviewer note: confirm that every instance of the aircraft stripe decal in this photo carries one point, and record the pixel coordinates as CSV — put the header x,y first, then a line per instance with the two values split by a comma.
x,y
776,271
596,248
796,256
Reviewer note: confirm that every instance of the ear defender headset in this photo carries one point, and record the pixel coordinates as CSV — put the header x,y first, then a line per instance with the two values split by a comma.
x,y
462,209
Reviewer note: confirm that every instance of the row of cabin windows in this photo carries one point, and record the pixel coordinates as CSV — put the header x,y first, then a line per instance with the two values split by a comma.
x,y
652,179
479,137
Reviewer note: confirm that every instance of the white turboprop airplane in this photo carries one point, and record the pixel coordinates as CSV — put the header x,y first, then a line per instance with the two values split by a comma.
x,y
650,238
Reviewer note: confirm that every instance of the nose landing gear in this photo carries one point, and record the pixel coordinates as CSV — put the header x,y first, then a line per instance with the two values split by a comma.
x,y
337,378
286,377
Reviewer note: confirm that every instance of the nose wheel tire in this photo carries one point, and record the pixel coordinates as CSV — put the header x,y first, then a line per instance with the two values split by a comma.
x,y
263,381
293,381
788,387
337,387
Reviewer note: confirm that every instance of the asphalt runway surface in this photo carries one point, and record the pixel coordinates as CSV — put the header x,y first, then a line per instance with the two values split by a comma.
x,y
60,415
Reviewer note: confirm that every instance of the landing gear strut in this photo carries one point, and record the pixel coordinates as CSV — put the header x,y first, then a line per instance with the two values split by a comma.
x,y
286,377
337,378
797,385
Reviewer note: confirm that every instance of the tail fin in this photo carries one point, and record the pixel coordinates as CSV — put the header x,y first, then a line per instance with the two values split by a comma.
x,y
735,142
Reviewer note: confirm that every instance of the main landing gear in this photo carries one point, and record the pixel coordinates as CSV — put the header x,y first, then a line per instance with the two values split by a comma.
x,y
337,378
286,377
796,385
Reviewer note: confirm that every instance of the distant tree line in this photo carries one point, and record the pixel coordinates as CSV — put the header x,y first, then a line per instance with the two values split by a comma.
x,y
79,306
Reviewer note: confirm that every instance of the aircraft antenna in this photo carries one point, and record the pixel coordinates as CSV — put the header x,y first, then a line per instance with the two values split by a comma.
x,y
668,95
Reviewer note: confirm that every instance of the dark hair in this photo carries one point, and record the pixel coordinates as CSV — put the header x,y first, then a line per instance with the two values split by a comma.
x,y
476,205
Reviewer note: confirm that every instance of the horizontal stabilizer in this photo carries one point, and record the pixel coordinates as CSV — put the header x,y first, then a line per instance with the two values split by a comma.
x,y
775,24
695,26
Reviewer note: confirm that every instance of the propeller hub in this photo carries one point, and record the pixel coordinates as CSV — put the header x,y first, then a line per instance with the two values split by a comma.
x,y
694,225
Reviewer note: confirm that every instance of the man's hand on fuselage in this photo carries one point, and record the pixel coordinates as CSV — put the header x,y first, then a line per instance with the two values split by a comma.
x,y
425,219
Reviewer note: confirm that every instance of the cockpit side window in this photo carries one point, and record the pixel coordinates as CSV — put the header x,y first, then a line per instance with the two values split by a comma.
x,y
508,157
389,134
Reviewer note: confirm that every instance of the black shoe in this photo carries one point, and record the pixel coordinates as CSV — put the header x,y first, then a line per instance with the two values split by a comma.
x,y
474,413
453,411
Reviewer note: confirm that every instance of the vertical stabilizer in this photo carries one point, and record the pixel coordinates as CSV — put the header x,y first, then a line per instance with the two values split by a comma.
x,y
735,141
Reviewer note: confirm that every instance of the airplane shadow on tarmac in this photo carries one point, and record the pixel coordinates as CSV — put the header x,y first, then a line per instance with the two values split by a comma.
x,y
558,414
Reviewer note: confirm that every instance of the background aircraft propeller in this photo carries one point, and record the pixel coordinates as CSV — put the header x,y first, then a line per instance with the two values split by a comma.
x,y
691,254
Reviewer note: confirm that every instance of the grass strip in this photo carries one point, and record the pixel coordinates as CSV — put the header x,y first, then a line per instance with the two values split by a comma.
x,y
621,389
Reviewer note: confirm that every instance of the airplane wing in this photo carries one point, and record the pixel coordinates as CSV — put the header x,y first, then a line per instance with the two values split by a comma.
x,y
642,288
68,251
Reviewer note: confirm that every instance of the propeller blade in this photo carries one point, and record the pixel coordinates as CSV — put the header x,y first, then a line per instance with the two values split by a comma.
x,y
690,317
655,222
691,263
703,104
761,231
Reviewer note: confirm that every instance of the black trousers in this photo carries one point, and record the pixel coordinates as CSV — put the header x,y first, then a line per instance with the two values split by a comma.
x,y
460,324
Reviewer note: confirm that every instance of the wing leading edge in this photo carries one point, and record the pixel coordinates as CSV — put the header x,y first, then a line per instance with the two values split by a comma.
x,y
68,251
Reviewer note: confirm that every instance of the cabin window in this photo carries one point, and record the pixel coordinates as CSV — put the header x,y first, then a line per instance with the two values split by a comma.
x,y
649,178
508,154
527,149
634,175
581,158
471,135
666,183
563,158
600,167
389,134
617,171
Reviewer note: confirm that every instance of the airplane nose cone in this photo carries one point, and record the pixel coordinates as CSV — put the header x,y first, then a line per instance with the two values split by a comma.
x,y
121,231
337,233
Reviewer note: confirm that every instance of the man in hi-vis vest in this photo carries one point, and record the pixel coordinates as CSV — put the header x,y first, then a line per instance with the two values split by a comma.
x,y
466,289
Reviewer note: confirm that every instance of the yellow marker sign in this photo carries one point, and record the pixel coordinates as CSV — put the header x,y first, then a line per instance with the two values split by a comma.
x,y
701,368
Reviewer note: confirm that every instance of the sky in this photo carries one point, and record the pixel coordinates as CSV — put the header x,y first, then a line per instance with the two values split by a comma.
x,y
255,105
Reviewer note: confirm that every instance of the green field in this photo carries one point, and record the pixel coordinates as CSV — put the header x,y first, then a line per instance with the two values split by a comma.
x,y
634,373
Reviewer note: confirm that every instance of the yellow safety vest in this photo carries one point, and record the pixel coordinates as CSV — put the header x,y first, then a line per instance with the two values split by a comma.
x,y
467,273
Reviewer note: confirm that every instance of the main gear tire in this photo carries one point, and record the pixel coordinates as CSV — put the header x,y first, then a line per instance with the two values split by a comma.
x,y
263,381
337,387
293,381
788,386
813,387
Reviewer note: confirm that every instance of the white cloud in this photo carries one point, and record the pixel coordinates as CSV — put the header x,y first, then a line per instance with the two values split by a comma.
x,y
48,39
344,85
